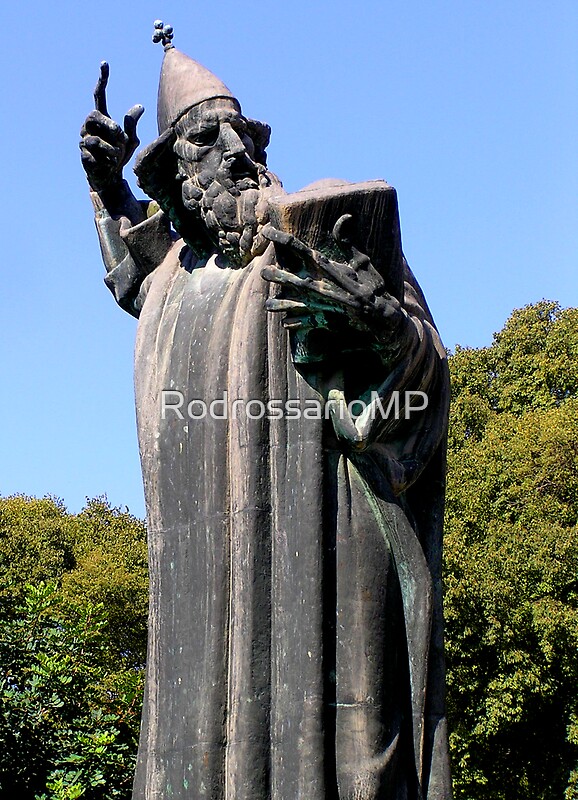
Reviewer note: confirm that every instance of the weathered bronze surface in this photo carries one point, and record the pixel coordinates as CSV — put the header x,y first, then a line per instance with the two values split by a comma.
x,y
295,638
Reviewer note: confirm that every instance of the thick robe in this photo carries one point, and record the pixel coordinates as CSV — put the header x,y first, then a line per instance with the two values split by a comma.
x,y
295,630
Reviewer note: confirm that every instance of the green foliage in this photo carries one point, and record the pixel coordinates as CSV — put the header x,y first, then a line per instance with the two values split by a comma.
x,y
111,568
36,543
98,556
72,649
511,561
532,364
67,724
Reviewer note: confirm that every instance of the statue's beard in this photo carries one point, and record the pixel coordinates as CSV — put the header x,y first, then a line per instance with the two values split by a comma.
x,y
233,213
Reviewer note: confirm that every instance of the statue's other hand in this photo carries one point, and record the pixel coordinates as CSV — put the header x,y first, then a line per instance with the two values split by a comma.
x,y
105,147
354,288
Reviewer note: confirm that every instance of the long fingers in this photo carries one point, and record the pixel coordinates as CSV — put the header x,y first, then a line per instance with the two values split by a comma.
x,y
303,321
281,304
341,274
293,245
97,124
100,89
99,150
89,162
97,168
299,314
345,276
130,122
309,286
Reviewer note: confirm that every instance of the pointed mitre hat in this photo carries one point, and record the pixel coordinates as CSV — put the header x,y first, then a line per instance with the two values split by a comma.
x,y
184,83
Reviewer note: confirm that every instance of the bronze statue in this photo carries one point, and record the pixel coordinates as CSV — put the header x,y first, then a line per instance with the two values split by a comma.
x,y
295,632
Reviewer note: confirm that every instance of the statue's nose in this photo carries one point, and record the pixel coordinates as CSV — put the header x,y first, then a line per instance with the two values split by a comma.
x,y
231,139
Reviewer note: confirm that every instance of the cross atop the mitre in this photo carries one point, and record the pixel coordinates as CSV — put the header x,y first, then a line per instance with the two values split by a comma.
x,y
163,33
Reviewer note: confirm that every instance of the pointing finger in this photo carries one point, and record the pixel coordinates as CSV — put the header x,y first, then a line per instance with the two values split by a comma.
x,y
100,89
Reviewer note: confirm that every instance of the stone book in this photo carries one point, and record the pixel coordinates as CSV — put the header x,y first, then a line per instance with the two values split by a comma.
x,y
312,213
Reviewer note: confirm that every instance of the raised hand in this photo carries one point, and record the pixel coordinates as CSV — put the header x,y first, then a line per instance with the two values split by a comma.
x,y
106,147
314,286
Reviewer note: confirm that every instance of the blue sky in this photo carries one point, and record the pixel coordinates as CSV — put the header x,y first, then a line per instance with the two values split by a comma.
x,y
469,109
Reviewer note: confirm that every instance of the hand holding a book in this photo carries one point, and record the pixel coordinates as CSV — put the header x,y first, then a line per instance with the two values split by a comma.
x,y
314,287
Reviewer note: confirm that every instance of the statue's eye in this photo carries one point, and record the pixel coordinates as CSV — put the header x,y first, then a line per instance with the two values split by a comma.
x,y
206,138
239,126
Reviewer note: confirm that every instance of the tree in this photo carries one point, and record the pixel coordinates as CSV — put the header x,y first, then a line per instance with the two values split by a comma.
x,y
511,560
67,723
72,649
97,556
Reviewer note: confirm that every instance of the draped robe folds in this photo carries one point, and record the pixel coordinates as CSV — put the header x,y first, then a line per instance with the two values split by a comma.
x,y
295,648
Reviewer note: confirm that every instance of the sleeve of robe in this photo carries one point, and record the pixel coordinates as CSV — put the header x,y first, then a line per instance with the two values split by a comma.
x,y
131,252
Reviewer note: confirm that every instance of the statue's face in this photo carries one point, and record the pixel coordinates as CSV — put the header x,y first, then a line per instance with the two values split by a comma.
x,y
221,180
215,145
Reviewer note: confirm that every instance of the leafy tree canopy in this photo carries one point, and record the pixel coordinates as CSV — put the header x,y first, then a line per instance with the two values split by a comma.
x,y
97,556
511,560
73,611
